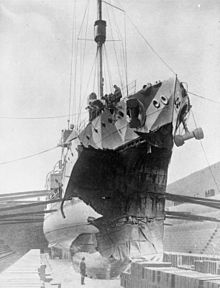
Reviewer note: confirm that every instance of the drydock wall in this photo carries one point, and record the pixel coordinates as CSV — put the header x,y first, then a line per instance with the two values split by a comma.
x,y
194,237
197,183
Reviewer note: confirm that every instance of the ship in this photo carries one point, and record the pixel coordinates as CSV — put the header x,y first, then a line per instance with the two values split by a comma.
x,y
110,183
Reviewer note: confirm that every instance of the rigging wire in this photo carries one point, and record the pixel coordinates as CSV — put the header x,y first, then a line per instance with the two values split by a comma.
x,y
28,156
149,45
114,47
76,54
37,118
88,82
75,70
205,98
95,72
123,51
108,66
83,60
125,54
106,72
203,149
84,15
110,4
107,88
71,64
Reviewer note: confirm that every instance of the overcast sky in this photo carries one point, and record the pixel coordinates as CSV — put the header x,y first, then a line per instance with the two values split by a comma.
x,y
35,60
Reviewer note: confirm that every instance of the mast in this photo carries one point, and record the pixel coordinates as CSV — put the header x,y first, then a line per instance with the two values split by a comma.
x,y
100,37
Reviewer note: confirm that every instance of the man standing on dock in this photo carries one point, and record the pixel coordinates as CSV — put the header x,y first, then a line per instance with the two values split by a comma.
x,y
83,271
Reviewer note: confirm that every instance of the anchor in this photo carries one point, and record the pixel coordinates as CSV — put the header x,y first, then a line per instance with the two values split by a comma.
x,y
198,134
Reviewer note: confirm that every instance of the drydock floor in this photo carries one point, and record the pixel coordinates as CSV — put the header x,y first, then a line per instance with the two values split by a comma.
x,y
62,272
179,270
24,274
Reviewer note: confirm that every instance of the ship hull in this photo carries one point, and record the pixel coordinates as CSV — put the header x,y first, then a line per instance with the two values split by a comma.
x,y
116,213
79,238
120,173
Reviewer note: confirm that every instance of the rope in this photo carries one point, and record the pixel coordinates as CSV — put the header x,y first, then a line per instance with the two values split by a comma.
x,y
83,61
27,157
116,56
125,54
89,79
203,149
105,68
71,65
105,78
110,4
94,65
150,46
108,66
37,118
75,67
123,51
84,15
205,98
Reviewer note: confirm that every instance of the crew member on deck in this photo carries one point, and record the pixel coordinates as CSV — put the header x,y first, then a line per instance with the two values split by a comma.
x,y
95,106
83,271
117,93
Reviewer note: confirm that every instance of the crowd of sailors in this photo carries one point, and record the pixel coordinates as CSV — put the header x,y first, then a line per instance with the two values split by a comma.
x,y
96,106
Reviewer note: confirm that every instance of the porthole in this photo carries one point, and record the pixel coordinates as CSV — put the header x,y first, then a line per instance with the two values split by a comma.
x,y
164,100
156,104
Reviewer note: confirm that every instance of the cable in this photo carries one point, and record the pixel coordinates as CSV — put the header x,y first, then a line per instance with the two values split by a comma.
x,y
88,82
126,54
105,65
116,56
84,15
124,48
29,156
95,72
152,49
205,98
108,66
74,104
149,45
203,149
71,64
36,118
110,4
82,57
